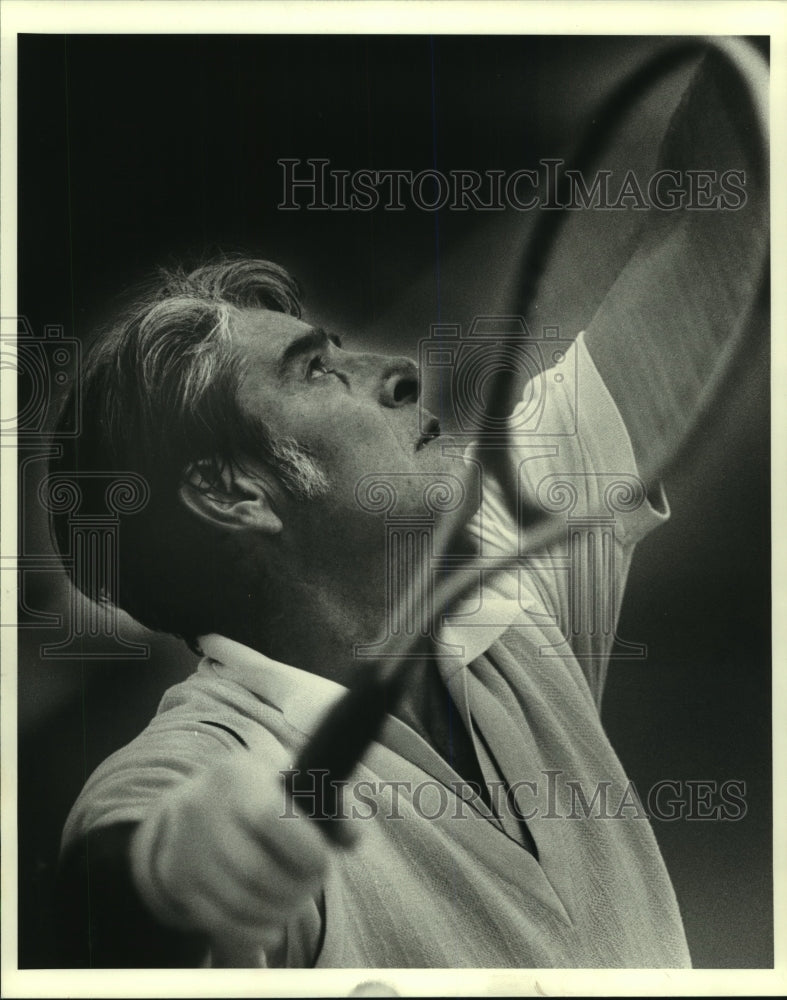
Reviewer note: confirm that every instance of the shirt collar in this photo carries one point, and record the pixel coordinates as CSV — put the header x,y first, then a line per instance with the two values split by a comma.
x,y
304,698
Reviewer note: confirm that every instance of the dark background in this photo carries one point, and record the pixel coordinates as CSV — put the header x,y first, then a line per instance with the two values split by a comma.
x,y
139,150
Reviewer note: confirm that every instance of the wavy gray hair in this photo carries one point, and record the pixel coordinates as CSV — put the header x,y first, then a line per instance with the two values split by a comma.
x,y
159,393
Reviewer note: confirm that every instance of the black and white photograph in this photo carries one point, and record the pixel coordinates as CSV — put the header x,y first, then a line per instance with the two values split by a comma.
x,y
388,454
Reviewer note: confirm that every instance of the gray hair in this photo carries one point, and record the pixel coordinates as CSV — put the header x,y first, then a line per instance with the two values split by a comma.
x,y
159,393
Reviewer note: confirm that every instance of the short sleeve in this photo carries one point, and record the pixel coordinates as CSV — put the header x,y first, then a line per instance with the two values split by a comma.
x,y
578,458
170,750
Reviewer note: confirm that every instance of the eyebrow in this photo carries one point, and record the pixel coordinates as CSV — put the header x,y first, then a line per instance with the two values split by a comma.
x,y
312,340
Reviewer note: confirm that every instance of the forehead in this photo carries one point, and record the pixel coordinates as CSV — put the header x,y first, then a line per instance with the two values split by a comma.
x,y
261,336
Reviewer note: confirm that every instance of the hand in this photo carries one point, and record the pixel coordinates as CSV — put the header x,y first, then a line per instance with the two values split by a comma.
x,y
216,856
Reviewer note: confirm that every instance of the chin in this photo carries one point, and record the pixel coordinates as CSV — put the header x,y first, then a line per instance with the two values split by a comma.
x,y
456,490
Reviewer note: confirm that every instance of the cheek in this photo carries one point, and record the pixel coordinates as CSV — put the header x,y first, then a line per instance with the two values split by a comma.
x,y
355,440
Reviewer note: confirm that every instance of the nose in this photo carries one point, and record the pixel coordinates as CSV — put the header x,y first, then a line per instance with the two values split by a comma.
x,y
400,383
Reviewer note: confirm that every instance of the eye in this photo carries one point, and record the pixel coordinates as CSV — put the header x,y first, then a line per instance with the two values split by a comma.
x,y
318,367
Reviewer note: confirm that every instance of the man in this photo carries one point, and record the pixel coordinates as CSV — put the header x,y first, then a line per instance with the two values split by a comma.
x,y
254,430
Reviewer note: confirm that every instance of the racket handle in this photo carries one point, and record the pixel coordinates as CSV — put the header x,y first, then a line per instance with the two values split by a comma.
x,y
340,741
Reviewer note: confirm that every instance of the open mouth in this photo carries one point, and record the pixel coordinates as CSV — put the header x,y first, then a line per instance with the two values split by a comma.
x,y
431,433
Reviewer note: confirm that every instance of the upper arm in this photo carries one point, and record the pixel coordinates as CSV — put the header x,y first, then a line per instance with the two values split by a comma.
x,y
103,921
125,786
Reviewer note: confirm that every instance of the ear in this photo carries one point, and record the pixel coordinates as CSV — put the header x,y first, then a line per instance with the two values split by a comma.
x,y
238,501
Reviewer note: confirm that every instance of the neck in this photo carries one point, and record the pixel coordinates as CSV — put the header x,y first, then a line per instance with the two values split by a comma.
x,y
317,628
310,621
